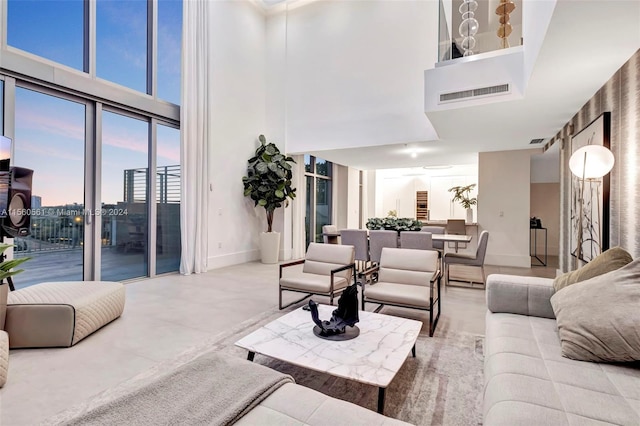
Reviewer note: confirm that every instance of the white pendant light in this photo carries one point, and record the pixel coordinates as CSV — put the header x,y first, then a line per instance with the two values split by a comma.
x,y
591,162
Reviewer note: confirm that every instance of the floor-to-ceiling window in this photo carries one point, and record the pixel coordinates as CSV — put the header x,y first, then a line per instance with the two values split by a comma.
x,y
169,50
1,107
318,175
167,199
50,140
93,90
121,35
124,197
51,29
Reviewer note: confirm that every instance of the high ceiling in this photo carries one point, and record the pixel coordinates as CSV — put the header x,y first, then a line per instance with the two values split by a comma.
x,y
587,41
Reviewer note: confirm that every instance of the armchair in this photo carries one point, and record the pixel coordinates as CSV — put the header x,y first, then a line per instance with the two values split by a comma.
x,y
407,278
327,270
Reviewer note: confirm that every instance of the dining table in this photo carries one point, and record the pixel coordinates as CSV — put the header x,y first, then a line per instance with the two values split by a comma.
x,y
451,238
447,238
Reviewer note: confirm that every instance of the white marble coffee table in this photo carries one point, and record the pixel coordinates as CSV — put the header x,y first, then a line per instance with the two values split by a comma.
x,y
374,357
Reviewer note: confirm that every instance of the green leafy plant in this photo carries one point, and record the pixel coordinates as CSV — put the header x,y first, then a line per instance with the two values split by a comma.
x,y
461,194
392,223
6,266
268,180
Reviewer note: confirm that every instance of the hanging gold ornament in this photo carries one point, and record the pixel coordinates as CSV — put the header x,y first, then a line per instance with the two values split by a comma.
x,y
505,29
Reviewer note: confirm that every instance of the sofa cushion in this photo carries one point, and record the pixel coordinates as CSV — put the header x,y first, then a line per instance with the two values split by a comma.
x,y
297,405
598,318
609,260
528,382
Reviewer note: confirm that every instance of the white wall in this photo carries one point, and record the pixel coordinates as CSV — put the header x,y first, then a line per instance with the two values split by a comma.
x,y
353,207
545,205
238,36
545,167
346,197
396,190
503,205
340,196
355,73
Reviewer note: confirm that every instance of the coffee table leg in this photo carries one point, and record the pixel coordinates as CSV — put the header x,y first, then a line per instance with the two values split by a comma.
x,y
381,400
413,351
250,356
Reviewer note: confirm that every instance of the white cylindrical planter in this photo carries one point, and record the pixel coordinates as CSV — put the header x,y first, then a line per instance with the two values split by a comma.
x,y
269,247
469,215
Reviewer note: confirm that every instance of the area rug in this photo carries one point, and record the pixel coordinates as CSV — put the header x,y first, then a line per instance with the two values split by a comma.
x,y
441,386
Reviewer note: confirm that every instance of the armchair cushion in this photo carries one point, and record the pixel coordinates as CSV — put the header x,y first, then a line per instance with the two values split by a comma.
x,y
408,266
313,283
321,259
461,259
399,294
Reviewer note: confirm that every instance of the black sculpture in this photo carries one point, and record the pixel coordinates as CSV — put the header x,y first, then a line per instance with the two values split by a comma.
x,y
345,315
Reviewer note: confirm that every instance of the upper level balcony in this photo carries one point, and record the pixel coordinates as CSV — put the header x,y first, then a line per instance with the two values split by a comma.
x,y
471,27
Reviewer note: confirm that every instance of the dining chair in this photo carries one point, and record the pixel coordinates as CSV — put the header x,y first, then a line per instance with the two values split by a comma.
x,y
438,245
359,240
416,240
467,259
456,227
379,239
329,229
328,269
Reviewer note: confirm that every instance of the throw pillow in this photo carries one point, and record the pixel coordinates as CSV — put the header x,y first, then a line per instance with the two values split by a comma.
x,y
598,318
607,261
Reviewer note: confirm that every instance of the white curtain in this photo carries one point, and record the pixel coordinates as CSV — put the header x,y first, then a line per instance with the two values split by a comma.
x,y
298,207
195,134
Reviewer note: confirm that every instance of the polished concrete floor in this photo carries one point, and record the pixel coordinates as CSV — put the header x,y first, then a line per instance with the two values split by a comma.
x,y
164,317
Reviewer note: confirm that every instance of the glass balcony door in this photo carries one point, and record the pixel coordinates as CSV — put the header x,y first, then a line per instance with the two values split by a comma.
x,y
49,138
124,197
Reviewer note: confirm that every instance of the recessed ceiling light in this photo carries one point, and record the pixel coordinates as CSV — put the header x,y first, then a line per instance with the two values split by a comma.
x,y
436,167
413,154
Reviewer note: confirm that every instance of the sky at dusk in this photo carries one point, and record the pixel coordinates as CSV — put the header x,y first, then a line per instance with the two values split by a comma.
x,y
49,131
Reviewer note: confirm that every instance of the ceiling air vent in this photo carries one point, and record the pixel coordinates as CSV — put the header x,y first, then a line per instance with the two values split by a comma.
x,y
474,93
535,141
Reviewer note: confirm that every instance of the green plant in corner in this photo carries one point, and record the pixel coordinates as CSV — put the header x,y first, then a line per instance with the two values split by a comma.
x,y
6,266
461,194
268,180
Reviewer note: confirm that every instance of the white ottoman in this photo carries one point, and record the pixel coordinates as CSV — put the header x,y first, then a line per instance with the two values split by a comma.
x,y
61,314
4,357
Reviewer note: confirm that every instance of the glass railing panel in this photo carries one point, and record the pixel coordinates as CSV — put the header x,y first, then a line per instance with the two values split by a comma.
x,y
471,27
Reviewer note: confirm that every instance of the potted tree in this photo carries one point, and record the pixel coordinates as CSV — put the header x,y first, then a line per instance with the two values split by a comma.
x,y
461,194
268,183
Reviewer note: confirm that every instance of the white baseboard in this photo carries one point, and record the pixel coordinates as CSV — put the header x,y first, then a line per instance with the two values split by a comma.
x,y
215,262
508,260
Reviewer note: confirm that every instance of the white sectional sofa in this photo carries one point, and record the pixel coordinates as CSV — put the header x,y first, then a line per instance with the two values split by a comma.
x,y
529,382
